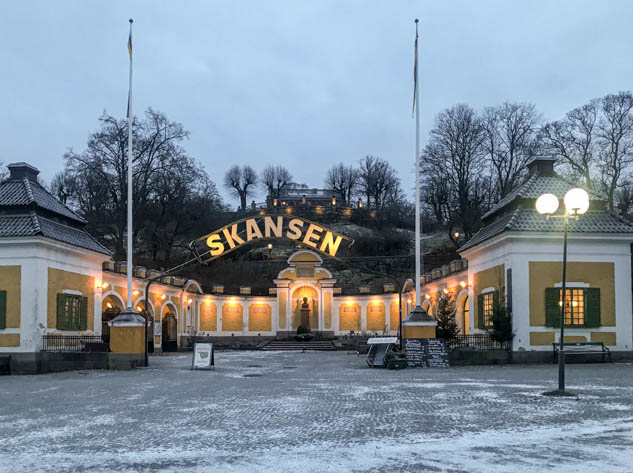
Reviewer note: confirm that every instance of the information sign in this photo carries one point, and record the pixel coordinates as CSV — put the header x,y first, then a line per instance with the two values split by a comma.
x,y
426,353
202,356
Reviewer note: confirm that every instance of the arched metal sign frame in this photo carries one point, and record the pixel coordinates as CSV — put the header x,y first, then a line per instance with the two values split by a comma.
x,y
245,231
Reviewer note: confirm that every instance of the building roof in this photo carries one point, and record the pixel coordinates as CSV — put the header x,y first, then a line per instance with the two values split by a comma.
x,y
28,209
529,220
517,212
535,186
310,194
31,224
26,194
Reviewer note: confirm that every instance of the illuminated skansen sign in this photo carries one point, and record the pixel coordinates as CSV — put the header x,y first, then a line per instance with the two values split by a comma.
x,y
247,230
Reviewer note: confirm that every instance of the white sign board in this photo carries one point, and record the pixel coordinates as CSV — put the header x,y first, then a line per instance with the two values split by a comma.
x,y
202,356
381,340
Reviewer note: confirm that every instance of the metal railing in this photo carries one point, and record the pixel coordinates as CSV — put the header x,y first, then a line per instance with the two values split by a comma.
x,y
73,343
479,341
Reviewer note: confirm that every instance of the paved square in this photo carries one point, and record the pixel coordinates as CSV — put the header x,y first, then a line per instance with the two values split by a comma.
x,y
316,412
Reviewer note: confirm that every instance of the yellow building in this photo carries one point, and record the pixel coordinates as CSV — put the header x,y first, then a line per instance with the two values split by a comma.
x,y
50,269
516,260
56,280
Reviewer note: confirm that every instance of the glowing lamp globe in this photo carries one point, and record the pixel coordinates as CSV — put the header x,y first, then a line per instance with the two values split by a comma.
x,y
576,201
547,204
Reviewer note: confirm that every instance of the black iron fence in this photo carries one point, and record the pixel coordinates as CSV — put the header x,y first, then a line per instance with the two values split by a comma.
x,y
73,343
479,341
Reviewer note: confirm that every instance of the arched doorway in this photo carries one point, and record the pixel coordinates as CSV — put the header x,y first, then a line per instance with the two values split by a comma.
x,y
169,329
110,308
313,303
426,305
140,308
463,314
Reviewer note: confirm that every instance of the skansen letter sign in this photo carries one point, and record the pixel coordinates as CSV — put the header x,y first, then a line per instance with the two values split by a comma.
x,y
248,230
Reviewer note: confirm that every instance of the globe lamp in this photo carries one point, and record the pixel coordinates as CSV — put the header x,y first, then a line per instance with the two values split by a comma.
x,y
576,201
547,204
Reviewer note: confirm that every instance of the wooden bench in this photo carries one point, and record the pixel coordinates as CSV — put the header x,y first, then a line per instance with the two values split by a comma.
x,y
95,347
581,348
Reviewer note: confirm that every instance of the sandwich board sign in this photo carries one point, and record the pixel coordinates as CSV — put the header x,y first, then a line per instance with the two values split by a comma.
x,y
202,356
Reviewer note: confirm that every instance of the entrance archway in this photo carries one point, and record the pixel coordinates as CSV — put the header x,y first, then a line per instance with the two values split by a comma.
x,y
313,303
169,329
140,308
463,313
426,305
110,308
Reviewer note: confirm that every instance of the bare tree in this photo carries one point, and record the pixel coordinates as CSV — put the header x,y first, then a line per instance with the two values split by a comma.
x,y
510,142
343,179
377,180
454,157
61,186
240,180
275,178
624,199
615,135
436,196
94,182
573,141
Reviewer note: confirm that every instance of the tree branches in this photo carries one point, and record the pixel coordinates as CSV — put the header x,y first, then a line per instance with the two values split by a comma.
x,y
169,186
240,180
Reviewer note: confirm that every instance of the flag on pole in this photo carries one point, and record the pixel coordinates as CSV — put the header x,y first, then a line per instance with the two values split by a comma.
x,y
129,48
129,179
415,69
129,44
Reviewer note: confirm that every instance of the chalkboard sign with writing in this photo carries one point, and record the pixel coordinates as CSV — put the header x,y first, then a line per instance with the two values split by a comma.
x,y
426,353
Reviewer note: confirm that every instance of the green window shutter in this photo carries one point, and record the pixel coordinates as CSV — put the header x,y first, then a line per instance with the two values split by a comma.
x,y
480,311
495,309
83,314
592,307
552,307
62,317
3,309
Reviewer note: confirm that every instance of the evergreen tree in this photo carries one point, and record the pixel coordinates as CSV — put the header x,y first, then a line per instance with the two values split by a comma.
x,y
501,329
446,324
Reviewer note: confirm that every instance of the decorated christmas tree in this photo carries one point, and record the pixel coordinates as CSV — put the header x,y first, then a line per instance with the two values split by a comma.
x,y
446,324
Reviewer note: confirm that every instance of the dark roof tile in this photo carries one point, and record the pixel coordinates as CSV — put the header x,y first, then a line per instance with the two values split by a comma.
x,y
529,220
535,186
32,225
26,193
71,235
18,225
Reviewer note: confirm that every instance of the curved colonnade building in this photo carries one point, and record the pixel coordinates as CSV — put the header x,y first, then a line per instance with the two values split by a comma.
x,y
56,279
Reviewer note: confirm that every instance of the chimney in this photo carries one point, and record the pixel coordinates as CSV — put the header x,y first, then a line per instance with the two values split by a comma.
x,y
542,165
20,170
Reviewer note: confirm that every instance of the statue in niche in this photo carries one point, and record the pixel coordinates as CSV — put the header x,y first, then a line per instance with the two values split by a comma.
x,y
305,313
303,331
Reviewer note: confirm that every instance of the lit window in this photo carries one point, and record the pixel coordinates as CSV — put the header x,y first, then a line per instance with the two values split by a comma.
x,y
488,308
71,312
575,306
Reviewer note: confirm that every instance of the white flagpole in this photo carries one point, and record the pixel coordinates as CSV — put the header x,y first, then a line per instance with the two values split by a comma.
x,y
129,184
417,174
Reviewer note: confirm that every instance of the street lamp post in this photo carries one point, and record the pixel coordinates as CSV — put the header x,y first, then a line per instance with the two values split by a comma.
x,y
576,203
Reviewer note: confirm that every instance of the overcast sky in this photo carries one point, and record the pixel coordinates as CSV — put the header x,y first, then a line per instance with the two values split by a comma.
x,y
304,84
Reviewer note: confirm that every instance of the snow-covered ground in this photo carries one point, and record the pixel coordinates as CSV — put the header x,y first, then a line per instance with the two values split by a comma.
x,y
316,412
